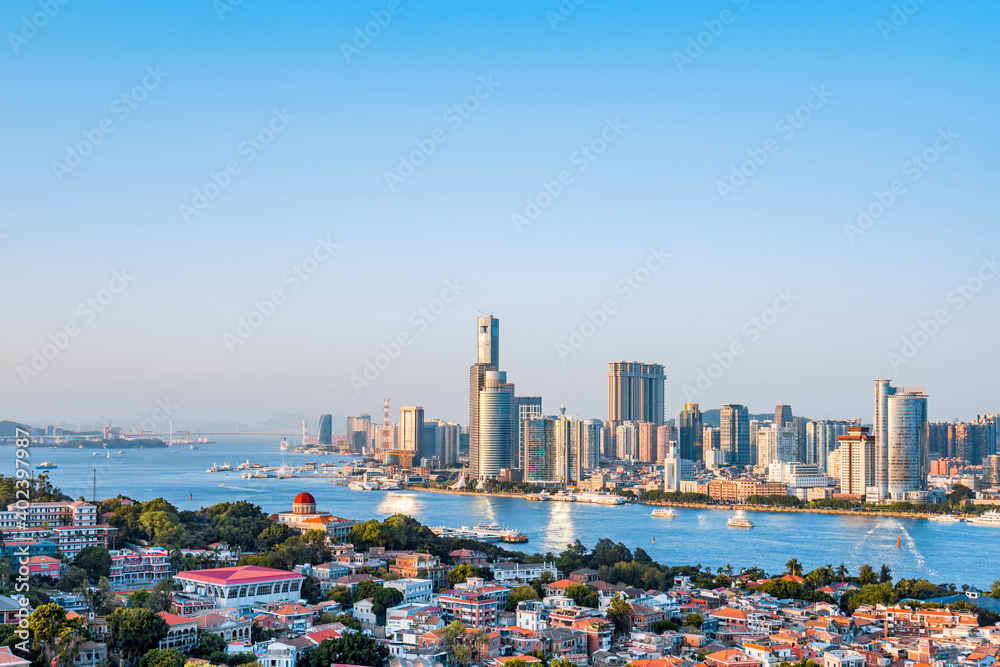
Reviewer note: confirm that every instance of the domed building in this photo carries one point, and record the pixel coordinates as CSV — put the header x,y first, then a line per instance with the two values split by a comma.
x,y
304,516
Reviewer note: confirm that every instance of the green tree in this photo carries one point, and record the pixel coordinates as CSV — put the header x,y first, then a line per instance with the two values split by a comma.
x,y
209,645
140,599
58,636
353,648
135,631
583,596
155,657
341,594
694,619
72,579
866,575
619,613
366,589
95,561
995,589
885,574
794,567
460,573
520,594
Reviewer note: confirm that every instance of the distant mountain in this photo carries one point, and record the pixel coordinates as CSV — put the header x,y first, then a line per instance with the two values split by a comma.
x,y
8,429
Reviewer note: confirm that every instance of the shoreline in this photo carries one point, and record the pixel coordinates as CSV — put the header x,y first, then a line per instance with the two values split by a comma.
x,y
748,508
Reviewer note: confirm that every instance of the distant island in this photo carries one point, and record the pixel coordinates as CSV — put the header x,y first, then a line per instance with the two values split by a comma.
x,y
102,443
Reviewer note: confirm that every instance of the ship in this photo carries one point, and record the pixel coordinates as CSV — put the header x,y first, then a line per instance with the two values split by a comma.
x,y
360,486
284,445
483,533
991,518
247,475
739,520
537,496
214,468
599,498
225,467
664,512
945,518
46,465
260,474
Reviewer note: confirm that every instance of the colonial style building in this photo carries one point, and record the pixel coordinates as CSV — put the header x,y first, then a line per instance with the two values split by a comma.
x,y
241,587
304,516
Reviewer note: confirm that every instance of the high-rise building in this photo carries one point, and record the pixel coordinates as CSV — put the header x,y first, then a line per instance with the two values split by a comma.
x,y
821,440
907,443
665,435
783,415
497,432
492,408
800,425
359,433
647,442
635,392
449,442
411,431
711,438
856,460
528,407
689,432
883,390
430,444
755,426
675,469
734,422
559,449
325,436
627,441
776,444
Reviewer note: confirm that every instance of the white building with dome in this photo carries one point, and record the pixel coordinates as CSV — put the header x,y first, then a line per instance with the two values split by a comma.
x,y
304,516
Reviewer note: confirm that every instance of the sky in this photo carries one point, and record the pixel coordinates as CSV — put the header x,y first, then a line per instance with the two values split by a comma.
x,y
237,207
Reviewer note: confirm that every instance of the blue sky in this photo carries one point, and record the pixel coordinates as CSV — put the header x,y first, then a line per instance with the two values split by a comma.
x,y
555,86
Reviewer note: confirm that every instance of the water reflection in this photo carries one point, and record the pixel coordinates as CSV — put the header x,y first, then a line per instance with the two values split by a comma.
x,y
399,503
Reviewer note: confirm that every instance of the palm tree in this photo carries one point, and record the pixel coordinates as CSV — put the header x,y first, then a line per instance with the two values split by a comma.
x,y
794,567
729,570
842,572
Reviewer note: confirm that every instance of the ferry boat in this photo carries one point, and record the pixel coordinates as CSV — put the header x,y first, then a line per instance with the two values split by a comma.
x,y
284,445
600,498
945,518
991,518
360,486
46,465
739,520
247,475
483,533
537,496
260,474
664,512
225,467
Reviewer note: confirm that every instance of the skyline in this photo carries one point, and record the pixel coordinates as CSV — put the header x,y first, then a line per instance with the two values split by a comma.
x,y
827,129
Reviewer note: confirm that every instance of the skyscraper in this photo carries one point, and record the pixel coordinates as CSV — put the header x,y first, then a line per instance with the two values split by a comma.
x,y
821,440
635,392
782,415
325,430
559,449
411,431
496,426
856,466
734,422
647,442
498,454
689,433
528,407
900,440
907,443
359,433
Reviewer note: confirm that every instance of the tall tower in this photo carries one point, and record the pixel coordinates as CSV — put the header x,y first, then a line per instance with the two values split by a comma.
x,y
325,436
411,430
734,422
783,415
907,442
493,434
635,392
690,433
883,390
385,438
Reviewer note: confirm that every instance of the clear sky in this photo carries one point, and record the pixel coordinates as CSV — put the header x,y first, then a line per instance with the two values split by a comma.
x,y
740,138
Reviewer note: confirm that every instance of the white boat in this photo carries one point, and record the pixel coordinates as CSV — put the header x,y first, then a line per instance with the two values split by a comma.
x,y
284,445
991,518
739,520
214,468
260,474
599,498
945,518
360,486
225,466
664,512
247,475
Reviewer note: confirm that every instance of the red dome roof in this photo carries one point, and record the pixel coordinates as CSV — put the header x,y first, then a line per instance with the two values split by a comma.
x,y
304,499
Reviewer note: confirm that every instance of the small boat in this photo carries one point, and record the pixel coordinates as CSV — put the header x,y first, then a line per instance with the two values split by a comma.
x,y
665,512
222,485
120,451
109,455
945,518
93,453
739,520
46,465
194,446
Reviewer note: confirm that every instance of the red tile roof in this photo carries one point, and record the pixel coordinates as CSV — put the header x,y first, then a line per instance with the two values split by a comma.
x,y
246,574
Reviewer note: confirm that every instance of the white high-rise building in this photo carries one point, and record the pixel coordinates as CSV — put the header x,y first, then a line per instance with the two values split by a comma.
x,y
676,469
776,444
853,462
627,441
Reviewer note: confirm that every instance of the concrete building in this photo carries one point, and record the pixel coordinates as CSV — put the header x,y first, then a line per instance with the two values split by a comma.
x,y
304,516
411,431
241,587
906,443
734,422
635,392
689,432
855,460
821,439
